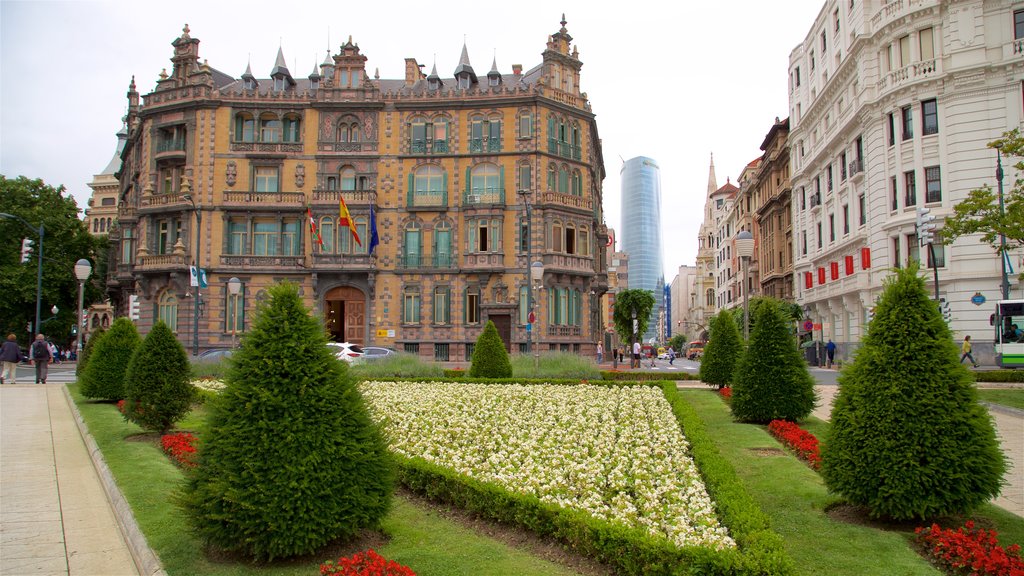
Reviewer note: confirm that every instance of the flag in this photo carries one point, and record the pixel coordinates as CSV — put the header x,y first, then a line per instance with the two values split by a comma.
x,y
374,240
345,219
312,228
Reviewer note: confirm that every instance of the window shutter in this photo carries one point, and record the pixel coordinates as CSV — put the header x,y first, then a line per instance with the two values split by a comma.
x,y
444,188
409,197
501,183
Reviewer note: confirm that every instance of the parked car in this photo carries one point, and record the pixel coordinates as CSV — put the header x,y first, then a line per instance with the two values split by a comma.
x,y
377,352
346,350
214,355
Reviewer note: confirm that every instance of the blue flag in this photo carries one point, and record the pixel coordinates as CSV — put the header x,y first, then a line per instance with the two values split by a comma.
x,y
374,240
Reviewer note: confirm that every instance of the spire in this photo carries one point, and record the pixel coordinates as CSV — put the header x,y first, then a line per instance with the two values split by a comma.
x,y
248,80
115,163
494,77
465,69
433,80
712,181
280,67
316,73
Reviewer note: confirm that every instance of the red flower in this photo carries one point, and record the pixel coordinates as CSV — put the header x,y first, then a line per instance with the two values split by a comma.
x,y
970,551
799,440
725,392
180,447
367,563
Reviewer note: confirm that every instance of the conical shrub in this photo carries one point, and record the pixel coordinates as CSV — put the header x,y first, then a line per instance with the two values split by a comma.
x,y
771,380
104,374
721,352
292,459
157,385
908,438
87,350
490,358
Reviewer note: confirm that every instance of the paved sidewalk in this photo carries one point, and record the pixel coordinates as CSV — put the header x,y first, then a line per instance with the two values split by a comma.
x,y
55,516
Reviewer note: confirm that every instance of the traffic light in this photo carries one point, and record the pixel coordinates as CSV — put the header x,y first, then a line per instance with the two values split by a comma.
x,y
133,307
925,226
870,316
26,249
947,313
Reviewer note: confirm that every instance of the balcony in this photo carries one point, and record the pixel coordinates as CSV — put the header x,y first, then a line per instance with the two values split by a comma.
x,y
909,74
334,262
478,196
426,200
273,147
250,199
563,331
352,197
568,263
567,201
249,261
564,149
346,147
428,147
482,145
159,202
856,169
815,199
426,261
483,261
170,148
161,262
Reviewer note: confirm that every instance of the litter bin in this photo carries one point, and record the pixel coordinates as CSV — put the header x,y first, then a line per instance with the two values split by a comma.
x,y
811,352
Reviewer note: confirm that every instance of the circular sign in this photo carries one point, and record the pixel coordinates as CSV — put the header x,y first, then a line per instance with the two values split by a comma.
x,y
978,299
532,317
808,325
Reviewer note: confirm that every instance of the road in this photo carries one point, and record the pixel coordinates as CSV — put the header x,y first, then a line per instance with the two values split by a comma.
x,y
822,376
63,373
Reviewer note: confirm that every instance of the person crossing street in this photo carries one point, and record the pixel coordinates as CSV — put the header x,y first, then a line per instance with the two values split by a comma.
x,y
41,357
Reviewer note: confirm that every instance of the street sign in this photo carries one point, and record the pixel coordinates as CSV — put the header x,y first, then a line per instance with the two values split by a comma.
x,y
978,299
816,326
531,318
808,325
529,327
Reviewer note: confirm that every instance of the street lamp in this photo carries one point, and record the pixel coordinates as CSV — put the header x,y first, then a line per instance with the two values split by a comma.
x,y
745,249
234,286
195,301
636,338
525,194
82,271
537,279
39,271
1002,237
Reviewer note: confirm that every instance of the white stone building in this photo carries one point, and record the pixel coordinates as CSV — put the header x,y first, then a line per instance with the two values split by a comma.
x,y
683,297
891,107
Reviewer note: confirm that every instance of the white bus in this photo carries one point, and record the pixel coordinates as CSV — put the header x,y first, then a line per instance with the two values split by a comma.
x,y
1008,322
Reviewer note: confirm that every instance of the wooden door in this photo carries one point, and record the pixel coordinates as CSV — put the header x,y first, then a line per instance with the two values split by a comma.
x,y
503,322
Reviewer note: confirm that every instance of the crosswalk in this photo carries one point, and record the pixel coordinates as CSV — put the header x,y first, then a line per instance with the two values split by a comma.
x,y
63,373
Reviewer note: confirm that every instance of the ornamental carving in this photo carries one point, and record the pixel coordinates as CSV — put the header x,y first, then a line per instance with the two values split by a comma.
x,y
300,175
231,173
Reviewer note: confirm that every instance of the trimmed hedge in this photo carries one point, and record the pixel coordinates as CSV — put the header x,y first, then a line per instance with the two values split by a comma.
x,y
104,376
647,376
999,376
490,358
722,352
157,386
628,550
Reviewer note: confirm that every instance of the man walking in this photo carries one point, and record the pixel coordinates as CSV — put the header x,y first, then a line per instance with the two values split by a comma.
x,y
600,353
40,356
636,356
965,351
10,355
830,350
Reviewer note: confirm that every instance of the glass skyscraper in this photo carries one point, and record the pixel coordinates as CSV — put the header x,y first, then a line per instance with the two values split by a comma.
x,y
641,232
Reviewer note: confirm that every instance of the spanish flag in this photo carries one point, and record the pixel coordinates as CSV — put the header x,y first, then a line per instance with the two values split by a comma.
x,y
345,219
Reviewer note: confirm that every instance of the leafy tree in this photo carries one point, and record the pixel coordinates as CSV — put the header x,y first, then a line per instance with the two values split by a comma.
x,y
157,385
104,376
908,438
292,459
771,381
65,240
790,311
721,352
678,343
626,302
490,358
979,212
87,350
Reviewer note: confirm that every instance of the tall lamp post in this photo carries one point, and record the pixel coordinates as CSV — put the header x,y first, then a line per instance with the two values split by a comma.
x,y
39,271
196,299
234,286
636,338
525,194
1002,237
82,271
537,280
745,249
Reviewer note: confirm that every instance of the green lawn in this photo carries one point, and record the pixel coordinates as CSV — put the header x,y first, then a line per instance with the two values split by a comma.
x,y
1012,397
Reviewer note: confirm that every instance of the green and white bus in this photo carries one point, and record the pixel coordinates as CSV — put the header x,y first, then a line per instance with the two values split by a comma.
x,y
1008,322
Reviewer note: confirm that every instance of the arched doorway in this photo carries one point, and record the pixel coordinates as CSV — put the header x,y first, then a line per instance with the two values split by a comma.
x,y
345,314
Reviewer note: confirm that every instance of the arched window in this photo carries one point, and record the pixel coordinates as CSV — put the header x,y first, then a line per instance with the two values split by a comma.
x,y
417,136
552,178
95,225
570,238
354,131
563,180
270,128
577,183
709,298
556,236
109,222
292,127
327,234
245,127
168,310
443,245
427,186
583,241
485,184
348,179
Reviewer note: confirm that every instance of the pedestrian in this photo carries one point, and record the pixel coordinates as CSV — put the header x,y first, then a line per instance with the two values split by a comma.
x,y
10,355
41,356
54,352
671,355
636,356
600,353
830,349
965,351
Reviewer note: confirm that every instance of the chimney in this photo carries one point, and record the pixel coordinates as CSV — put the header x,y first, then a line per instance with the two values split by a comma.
x,y
413,74
517,69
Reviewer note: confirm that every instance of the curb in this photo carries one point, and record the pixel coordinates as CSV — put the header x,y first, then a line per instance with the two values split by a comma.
x,y
1008,410
146,561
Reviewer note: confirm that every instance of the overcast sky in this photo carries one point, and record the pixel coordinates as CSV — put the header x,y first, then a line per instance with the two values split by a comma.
x,y
671,81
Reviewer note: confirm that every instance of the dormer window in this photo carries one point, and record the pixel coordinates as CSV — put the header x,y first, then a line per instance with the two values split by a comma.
x,y
433,83
314,83
279,83
250,83
492,80
464,82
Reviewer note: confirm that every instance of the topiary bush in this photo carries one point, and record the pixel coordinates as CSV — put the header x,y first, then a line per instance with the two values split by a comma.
x,y
157,385
104,375
87,349
771,380
721,352
908,438
292,459
490,358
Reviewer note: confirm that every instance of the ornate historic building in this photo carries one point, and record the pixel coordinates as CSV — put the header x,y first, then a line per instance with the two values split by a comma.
x,y
773,215
102,209
444,171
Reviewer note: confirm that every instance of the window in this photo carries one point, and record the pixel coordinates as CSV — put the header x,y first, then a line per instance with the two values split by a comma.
x,y
526,126
910,189
525,177
485,135
348,179
933,184
862,209
167,310
842,166
236,237
831,227
485,184
892,129
577,184
412,248
443,245
234,311
418,137
894,194
828,176
411,305
442,305
265,178
270,128
904,50
484,235
1018,24
556,236
820,238
583,241
908,122
245,128
428,186
896,252
824,42
292,123
798,76
913,248
846,219
473,305
570,239
812,60
926,44
265,238
929,117
170,178
127,245
939,250
804,243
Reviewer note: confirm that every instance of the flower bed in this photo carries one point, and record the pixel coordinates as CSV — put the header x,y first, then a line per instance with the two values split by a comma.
x,y
180,447
367,563
970,551
725,392
799,440
614,453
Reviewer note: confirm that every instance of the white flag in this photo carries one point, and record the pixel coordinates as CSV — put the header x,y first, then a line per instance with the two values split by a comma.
x,y
193,278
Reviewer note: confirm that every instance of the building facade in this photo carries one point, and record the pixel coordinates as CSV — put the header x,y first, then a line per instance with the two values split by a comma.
x,y
101,211
683,296
641,233
704,295
891,107
773,217
399,207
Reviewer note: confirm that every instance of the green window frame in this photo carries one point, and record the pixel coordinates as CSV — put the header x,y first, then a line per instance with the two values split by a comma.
x,y
266,178
245,127
472,305
411,305
167,310
412,247
442,305
237,233
265,236
443,245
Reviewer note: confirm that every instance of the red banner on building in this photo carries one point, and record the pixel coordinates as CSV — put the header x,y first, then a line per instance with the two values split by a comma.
x,y
821,276
849,265
865,258
834,270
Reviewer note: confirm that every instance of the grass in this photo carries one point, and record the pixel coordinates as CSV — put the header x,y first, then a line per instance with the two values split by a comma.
x,y
1012,397
555,365
401,365
420,538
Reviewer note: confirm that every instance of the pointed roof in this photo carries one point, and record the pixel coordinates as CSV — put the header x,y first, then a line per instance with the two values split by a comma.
x,y
433,78
315,75
248,72
115,163
464,66
280,68
712,181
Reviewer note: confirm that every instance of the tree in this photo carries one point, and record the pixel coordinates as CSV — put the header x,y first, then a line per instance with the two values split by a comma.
x,y
87,350
771,380
908,438
291,460
721,352
490,358
678,343
626,303
66,239
104,376
979,212
157,386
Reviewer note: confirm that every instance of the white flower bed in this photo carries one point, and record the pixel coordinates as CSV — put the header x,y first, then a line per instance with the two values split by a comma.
x,y
208,384
616,453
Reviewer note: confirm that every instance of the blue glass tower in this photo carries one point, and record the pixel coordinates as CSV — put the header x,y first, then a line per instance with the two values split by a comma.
x,y
641,232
